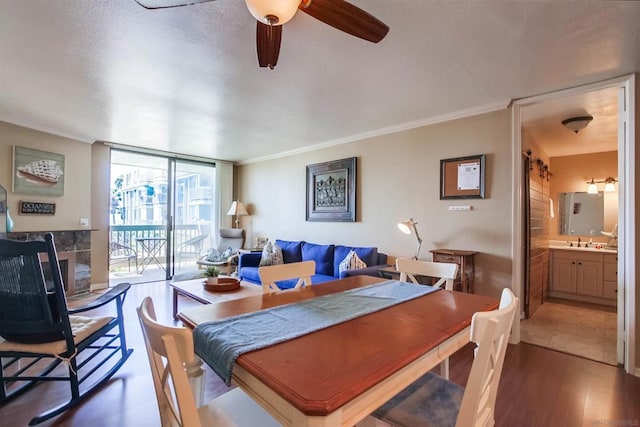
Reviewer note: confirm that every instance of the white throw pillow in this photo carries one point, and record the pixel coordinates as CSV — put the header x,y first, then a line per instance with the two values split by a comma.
x,y
266,254
271,255
276,255
215,256
351,262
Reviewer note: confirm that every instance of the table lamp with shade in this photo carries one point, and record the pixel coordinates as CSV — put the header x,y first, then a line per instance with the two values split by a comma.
x,y
238,209
406,227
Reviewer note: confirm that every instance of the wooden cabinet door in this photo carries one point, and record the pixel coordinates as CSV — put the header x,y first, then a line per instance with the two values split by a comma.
x,y
564,275
610,284
610,289
589,278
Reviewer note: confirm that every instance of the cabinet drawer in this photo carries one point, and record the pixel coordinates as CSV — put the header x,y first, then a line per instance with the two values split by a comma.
x,y
445,258
609,289
576,255
610,271
612,258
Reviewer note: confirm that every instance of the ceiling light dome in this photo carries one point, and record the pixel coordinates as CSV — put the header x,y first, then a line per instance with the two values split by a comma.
x,y
273,12
577,123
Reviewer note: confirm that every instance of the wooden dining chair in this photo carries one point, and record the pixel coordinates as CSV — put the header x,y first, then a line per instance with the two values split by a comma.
x,y
434,401
444,271
170,351
271,274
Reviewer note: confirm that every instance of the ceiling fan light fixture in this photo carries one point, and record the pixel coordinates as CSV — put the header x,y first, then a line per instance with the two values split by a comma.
x,y
577,123
273,12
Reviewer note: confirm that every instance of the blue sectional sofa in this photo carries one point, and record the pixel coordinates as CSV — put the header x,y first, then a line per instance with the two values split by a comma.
x,y
327,258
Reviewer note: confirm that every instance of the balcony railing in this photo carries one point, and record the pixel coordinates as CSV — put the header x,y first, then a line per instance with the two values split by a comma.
x,y
192,239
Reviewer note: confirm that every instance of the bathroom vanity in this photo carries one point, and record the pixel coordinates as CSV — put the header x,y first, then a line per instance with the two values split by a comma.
x,y
584,274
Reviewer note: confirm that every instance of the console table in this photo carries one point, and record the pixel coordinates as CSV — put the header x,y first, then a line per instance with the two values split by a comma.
x,y
466,266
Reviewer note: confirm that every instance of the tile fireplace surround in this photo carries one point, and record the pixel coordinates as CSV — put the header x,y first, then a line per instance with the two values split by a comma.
x,y
74,255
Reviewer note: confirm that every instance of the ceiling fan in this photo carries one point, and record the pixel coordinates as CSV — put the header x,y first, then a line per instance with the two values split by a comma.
x,y
272,14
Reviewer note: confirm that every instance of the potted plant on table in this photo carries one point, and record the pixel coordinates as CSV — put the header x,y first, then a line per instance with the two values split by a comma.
x,y
212,273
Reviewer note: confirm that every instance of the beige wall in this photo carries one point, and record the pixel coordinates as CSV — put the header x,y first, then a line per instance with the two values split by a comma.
x,y
76,202
398,178
571,173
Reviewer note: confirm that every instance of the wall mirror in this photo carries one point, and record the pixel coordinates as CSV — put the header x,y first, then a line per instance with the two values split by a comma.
x,y
581,214
3,211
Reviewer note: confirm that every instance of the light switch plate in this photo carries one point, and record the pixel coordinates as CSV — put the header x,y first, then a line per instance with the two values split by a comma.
x,y
460,208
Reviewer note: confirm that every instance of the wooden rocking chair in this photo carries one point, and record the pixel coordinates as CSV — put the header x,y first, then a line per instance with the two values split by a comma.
x,y
39,332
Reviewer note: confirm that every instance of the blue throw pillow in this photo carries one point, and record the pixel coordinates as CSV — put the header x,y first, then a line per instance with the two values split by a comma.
x,y
367,254
291,251
321,254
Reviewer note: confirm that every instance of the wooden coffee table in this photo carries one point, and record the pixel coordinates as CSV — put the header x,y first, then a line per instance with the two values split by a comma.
x,y
194,289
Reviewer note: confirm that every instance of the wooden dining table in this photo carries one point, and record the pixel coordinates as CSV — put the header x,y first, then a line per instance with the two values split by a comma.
x,y
339,375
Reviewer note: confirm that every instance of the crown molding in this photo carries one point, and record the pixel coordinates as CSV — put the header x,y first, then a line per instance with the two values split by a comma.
x,y
386,131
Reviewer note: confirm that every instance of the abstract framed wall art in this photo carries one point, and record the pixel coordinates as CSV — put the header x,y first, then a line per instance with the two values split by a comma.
x,y
331,191
38,172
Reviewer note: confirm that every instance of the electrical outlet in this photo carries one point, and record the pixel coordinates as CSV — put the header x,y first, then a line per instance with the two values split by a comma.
x,y
460,208
84,222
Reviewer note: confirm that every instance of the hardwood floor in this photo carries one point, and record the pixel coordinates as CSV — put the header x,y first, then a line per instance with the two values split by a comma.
x,y
539,387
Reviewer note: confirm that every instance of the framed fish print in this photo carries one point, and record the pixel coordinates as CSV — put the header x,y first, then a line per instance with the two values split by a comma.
x,y
38,172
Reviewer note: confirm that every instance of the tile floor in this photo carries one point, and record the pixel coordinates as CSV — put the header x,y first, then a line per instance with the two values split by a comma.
x,y
581,329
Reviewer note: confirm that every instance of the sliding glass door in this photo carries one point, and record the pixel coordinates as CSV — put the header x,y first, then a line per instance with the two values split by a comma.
x,y
160,216
193,213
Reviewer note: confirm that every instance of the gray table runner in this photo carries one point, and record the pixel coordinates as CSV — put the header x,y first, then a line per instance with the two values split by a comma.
x,y
219,343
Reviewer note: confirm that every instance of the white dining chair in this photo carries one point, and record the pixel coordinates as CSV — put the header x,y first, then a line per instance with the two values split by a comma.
x,y
170,351
444,271
434,401
271,274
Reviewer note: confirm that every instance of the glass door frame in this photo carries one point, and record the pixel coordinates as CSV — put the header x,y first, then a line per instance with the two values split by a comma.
x,y
169,224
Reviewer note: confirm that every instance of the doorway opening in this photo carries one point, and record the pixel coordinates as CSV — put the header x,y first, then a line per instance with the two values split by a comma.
x,y
567,277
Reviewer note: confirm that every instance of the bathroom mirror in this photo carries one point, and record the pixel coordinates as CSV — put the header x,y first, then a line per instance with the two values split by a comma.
x,y
581,214
3,211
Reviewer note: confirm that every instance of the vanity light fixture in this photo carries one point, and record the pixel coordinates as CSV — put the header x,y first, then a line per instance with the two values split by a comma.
x,y
577,123
609,185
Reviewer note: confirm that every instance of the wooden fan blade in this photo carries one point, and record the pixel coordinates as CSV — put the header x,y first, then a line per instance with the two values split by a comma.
x,y
163,4
268,39
346,17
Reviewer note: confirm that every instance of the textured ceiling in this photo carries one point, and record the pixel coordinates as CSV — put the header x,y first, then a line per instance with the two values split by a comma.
x,y
186,79
543,121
